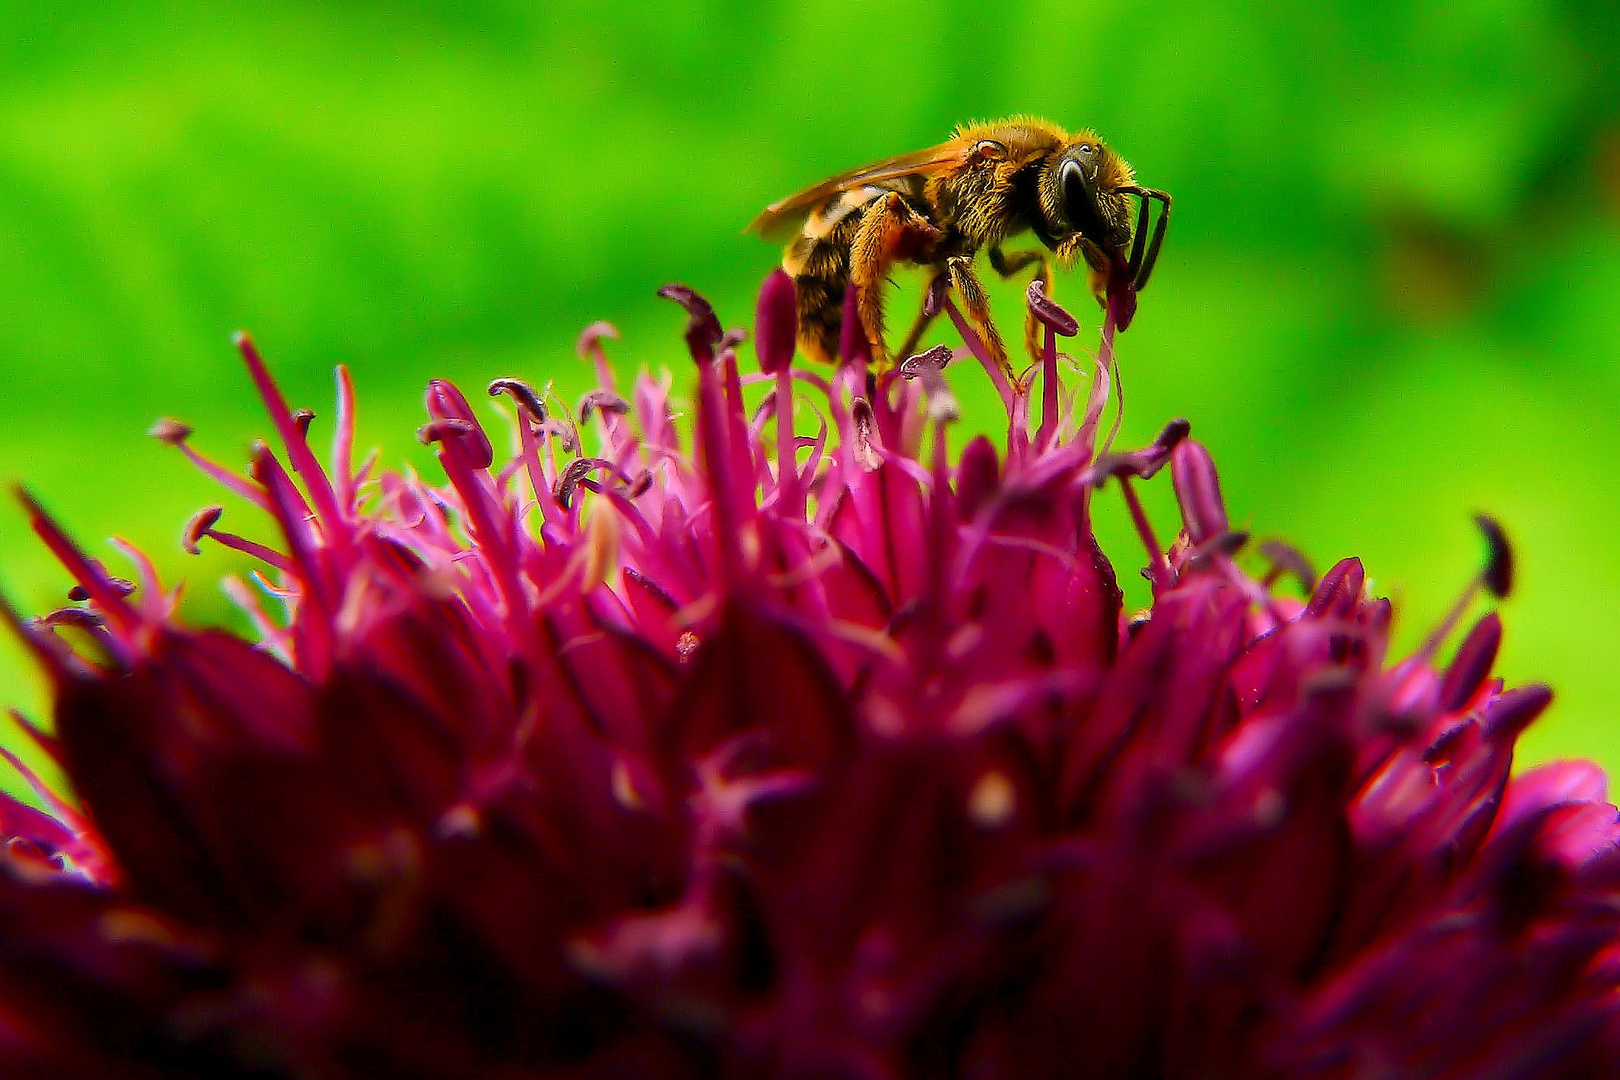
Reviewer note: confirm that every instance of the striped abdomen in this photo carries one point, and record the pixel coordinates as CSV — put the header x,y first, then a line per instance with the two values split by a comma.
x,y
818,260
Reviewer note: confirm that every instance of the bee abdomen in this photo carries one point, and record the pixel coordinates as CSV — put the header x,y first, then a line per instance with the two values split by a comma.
x,y
821,308
818,260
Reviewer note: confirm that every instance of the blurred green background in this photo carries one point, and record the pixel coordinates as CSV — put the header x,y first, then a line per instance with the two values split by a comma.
x,y
1388,298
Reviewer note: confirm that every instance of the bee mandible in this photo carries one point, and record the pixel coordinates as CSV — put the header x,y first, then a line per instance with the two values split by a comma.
x,y
937,207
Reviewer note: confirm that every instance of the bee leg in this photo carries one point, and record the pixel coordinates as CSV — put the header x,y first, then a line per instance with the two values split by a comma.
x,y
1138,238
1143,258
889,226
971,290
1008,267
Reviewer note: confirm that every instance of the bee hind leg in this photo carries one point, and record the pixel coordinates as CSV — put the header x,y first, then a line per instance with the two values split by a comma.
x,y
1008,266
889,229
977,305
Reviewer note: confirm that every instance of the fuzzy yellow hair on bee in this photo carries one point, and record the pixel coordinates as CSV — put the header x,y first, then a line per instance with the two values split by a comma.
x,y
937,208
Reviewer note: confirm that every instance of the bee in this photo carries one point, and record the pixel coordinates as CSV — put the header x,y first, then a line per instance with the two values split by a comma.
x,y
937,207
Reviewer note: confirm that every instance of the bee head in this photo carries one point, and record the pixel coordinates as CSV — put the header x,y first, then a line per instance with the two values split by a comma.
x,y
1081,193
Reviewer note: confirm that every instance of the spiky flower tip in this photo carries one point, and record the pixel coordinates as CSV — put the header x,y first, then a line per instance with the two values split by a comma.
x,y
786,755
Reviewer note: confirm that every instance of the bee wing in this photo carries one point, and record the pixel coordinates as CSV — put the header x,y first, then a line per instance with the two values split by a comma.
x,y
782,218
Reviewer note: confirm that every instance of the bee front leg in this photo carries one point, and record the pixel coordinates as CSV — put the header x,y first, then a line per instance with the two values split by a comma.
x,y
1142,259
1008,267
977,305
891,229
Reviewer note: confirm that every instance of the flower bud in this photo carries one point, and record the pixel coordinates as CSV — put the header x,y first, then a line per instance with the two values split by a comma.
x,y
776,322
446,403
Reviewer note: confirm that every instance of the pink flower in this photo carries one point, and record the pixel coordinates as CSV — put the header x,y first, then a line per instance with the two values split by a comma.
x,y
789,755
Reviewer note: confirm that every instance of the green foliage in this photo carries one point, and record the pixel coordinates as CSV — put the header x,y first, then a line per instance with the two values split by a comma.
x,y
1386,299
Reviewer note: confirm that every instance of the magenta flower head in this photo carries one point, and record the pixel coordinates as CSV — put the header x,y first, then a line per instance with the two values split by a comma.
x,y
801,749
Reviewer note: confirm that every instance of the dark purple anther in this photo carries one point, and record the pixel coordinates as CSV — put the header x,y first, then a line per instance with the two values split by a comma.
x,y
446,403
929,367
1145,463
78,593
703,332
1198,490
776,322
571,476
74,617
91,576
1497,577
579,469
604,400
1173,434
198,527
1150,459
1049,311
302,418
933,360
438,431
524,394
